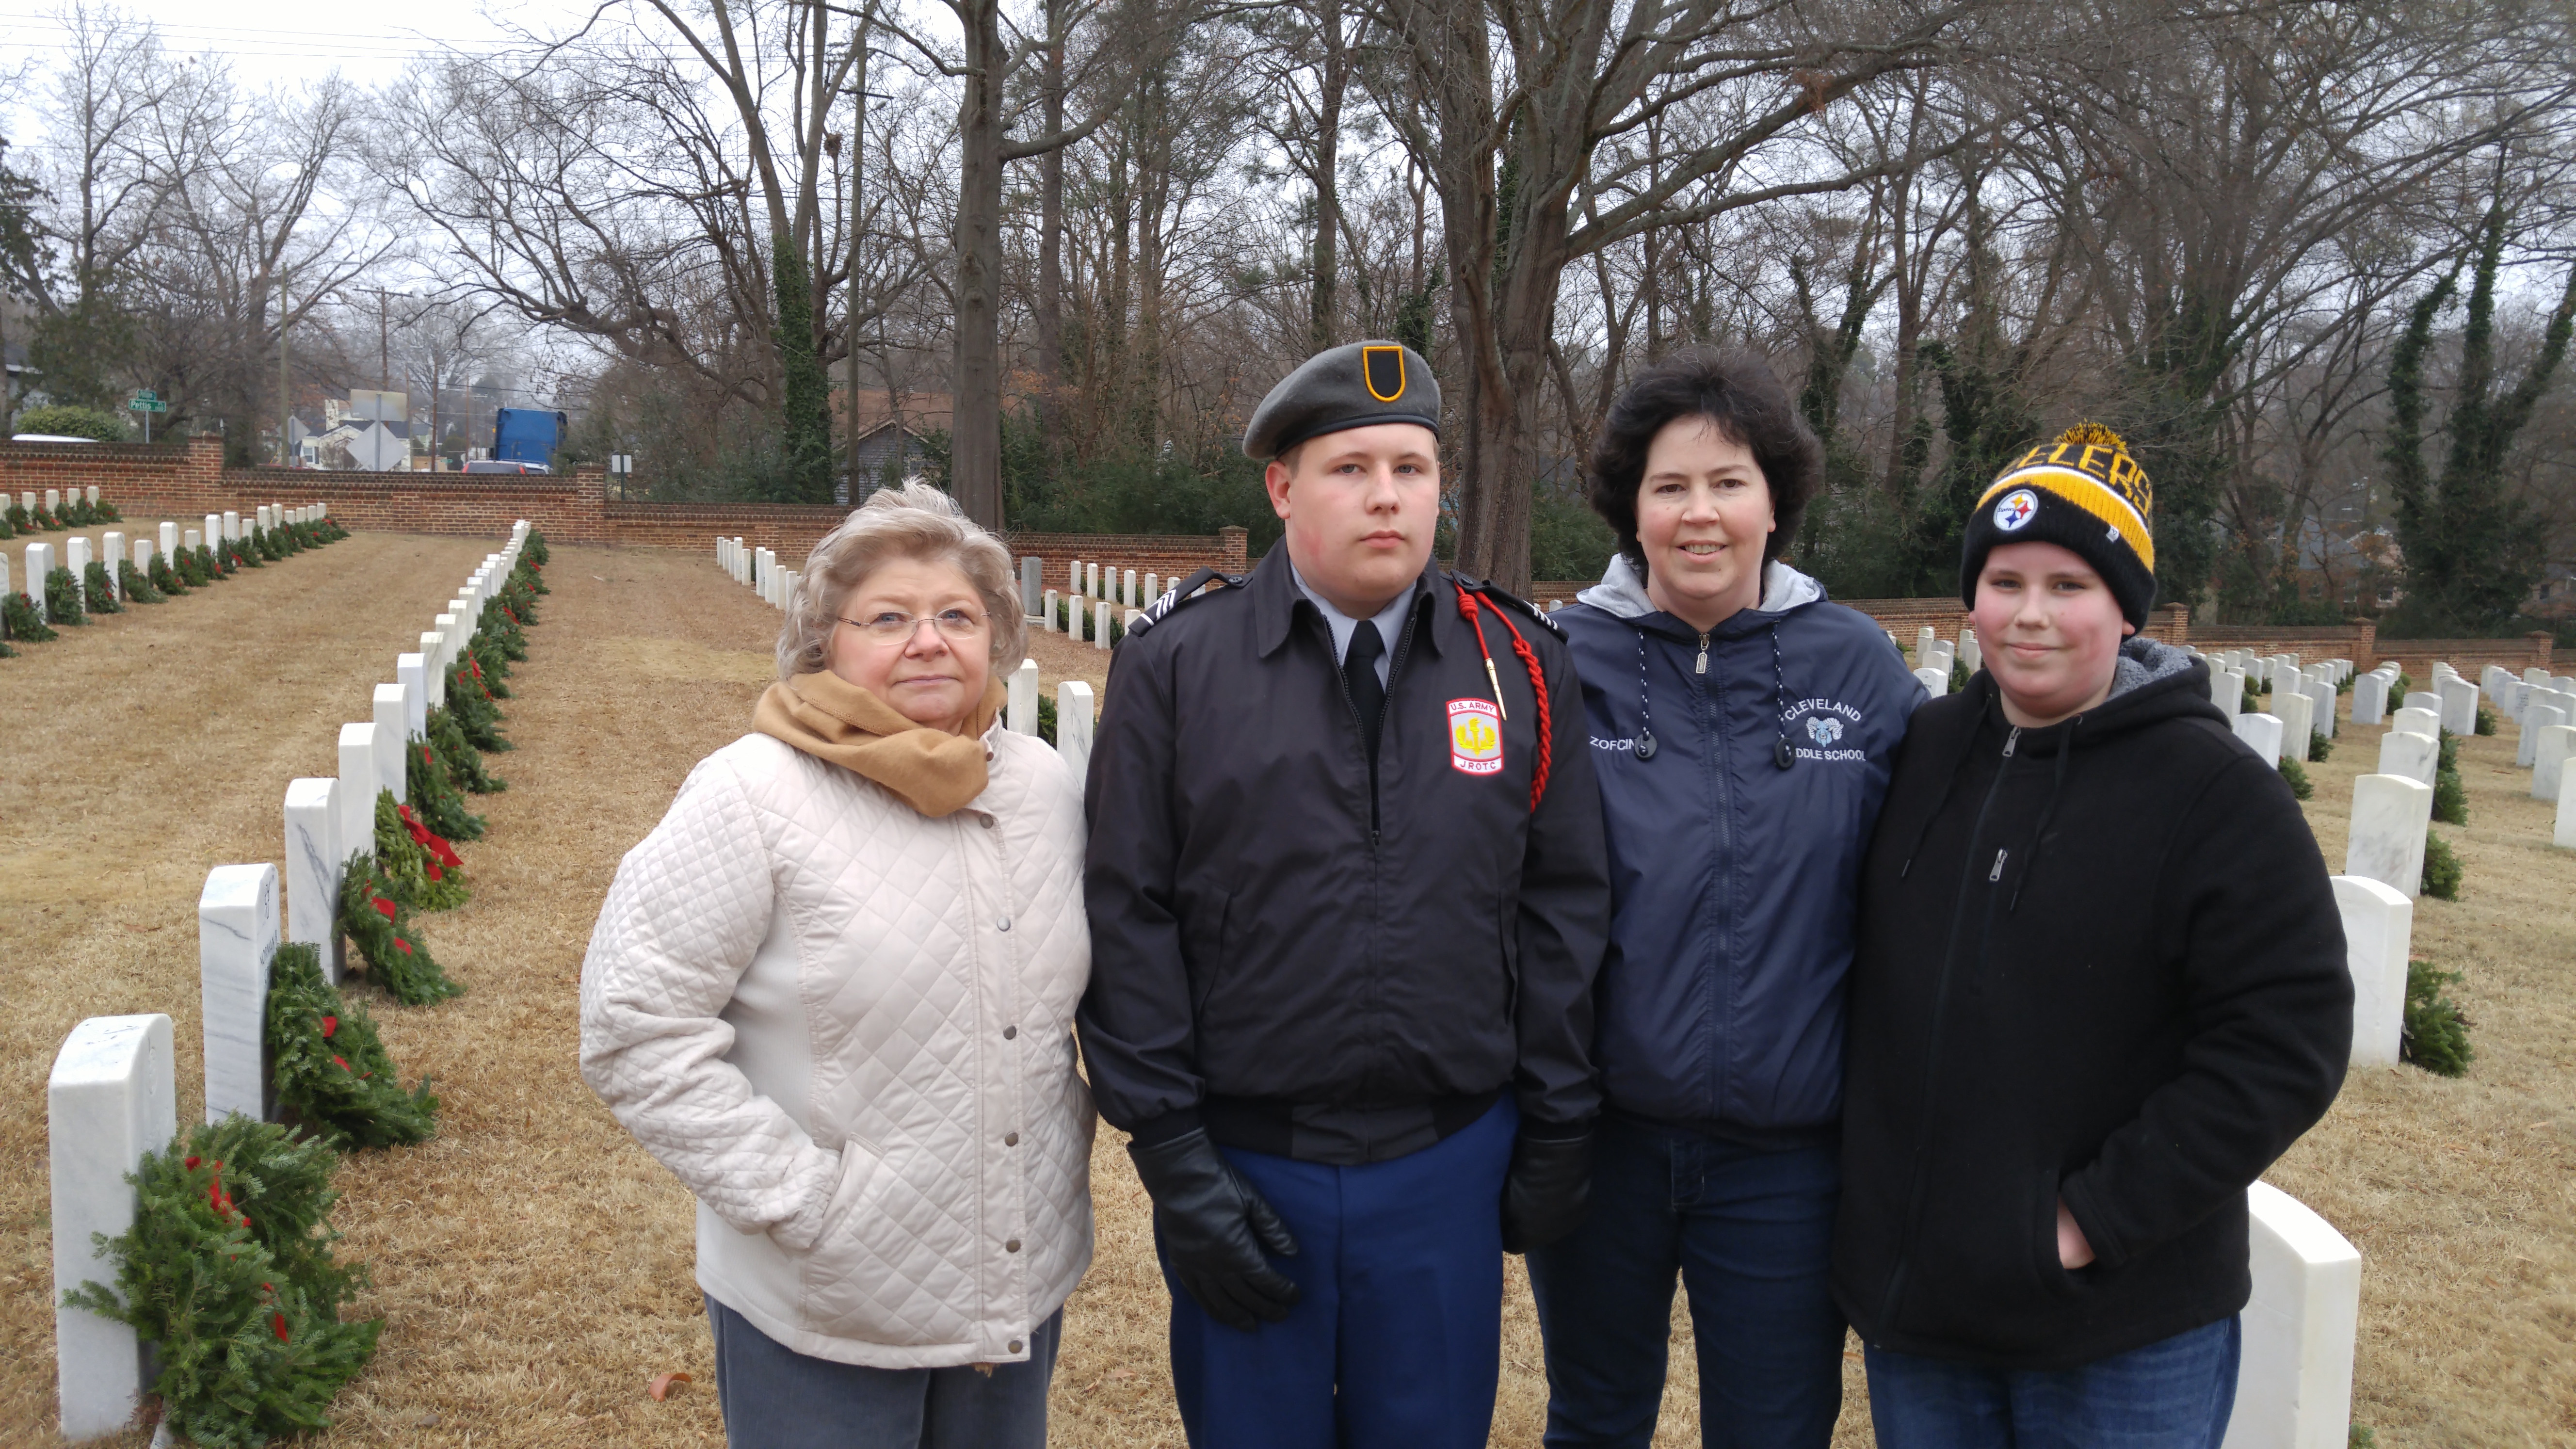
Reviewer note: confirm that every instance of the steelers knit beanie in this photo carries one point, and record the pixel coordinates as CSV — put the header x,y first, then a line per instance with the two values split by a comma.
x,y
2084,493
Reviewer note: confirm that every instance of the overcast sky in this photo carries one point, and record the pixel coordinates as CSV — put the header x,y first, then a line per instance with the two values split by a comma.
x,y
286,40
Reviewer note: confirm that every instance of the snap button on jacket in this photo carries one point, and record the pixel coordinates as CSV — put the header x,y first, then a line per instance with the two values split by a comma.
x,y
796,999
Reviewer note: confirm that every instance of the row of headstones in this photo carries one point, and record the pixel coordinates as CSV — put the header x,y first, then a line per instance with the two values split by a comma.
x,y
757,569
1115,594
112,546
111,1097
1935,656
2543,709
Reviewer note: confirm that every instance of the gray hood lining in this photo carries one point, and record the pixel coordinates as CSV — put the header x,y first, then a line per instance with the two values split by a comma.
x,y
1622,590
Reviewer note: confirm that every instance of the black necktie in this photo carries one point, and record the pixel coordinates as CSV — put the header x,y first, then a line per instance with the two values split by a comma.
x,y
1359,675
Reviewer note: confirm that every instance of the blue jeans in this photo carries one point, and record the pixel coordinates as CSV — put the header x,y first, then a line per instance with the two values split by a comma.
x,y
773,1397
2175,1393
1750,1235
1396,1339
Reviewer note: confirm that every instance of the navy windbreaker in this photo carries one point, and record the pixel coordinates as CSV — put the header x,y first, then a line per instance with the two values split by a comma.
x,y
1734,883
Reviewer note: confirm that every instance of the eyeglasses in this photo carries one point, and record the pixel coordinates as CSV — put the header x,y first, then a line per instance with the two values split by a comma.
x,y
891,627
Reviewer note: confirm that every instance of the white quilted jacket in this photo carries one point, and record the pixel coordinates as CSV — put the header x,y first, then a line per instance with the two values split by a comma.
x,y
846,1027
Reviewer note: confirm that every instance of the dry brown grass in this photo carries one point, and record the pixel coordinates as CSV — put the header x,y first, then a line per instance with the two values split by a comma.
x,y
533,1263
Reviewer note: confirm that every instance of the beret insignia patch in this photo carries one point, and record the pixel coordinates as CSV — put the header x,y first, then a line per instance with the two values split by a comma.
x,y
1382,368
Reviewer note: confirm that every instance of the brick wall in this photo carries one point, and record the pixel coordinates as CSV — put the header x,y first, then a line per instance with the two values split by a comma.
x,y
186,480
2469,656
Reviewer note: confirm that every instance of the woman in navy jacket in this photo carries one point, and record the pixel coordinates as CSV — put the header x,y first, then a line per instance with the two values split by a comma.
x,y
1741,728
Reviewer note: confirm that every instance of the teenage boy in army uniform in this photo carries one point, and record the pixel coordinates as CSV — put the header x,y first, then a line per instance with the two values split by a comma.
x,y
1347,898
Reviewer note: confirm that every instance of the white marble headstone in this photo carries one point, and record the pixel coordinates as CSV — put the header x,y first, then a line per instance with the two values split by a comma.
x,y
2294,1374
2378,927
2390,814
236,941
54,502
40,562
2526,748
2298,718
2416,721
76,555
1024,698
2369,700
1073,578
2459,705
433,674
1154,587
1934,681
1073,722
232,525
2411,755
411,675
2564,835
358,789
2549,760
1100,624
2263,732
1049,612
313,861
2227,690
214,529
169,536
2321,693
196,540
1973,654
392,725
111,1098
1127,589
1032,582
2425,699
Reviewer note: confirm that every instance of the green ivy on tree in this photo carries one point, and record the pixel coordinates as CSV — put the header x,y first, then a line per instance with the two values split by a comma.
x,y
380,927
228,1272
332,1070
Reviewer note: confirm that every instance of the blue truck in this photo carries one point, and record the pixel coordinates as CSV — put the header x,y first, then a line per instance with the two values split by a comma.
x,y
526,435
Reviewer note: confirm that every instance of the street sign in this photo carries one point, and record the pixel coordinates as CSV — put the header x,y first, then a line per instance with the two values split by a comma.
x,y
147,401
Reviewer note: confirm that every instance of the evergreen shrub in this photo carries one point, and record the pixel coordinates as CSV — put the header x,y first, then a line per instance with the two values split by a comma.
x,y
2436,1035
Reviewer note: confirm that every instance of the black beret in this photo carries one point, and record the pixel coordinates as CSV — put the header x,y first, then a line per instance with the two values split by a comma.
x,y
1353,386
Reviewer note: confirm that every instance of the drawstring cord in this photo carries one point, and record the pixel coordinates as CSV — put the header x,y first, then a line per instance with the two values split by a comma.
x,y
1474,616
1645,731
1780,754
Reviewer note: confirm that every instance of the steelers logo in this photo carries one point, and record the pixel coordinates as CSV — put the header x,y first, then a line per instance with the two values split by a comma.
x,y
2016,508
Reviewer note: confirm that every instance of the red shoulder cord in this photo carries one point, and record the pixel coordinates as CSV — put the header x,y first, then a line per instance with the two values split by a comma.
x,y
1467,610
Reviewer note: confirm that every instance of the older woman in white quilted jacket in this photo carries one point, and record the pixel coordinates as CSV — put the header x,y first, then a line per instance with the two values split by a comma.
x,y
833,992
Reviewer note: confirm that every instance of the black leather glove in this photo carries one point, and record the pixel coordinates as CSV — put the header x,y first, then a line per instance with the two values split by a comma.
x,y
1549,1185
1216,1229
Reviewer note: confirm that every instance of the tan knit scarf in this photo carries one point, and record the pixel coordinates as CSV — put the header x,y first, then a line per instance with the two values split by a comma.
x,y
840,723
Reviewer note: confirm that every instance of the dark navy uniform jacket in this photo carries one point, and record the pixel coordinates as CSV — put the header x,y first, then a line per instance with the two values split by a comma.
x,y
1268,965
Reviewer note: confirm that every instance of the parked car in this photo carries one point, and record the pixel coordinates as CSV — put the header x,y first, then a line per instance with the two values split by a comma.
x,y
504,465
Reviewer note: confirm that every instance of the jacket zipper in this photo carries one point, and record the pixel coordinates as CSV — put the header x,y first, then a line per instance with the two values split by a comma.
x,y
1720,974
1932,1057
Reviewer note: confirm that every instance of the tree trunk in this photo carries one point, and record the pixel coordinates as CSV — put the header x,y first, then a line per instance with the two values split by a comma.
x,y
1050,309
975,458
1334,80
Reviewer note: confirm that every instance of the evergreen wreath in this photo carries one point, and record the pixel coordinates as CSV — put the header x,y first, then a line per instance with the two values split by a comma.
x,y
16,515
228,1272
535,551
381,929
209,566
106,513
76,512
137,584
333,1072
7,529
165,576
18,613
2441,868
2319,747
63,598
417,868
101,596
2297,774
2436,1035
432,787
44,519
2487,720
469,699
243,553
263,544
464,762
490,665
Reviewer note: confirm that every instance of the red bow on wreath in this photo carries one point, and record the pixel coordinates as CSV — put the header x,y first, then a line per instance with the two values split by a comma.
x,y
421,836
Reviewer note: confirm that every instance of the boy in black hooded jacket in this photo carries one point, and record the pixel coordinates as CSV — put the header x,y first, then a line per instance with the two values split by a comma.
x,y
2100,986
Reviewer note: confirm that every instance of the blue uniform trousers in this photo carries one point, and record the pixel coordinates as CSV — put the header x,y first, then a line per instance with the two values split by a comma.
x,y
1396,1342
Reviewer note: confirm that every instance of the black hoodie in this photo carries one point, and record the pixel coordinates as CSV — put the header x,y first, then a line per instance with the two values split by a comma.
x,y
2100,961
